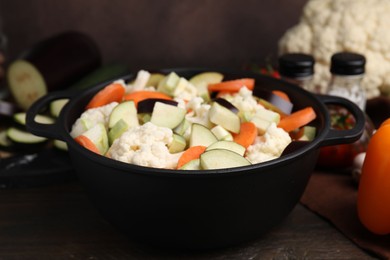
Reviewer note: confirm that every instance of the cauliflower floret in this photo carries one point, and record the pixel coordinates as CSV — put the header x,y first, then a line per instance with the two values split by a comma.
x,y
268,146
245,102
92,117
199,112
330,26
145,145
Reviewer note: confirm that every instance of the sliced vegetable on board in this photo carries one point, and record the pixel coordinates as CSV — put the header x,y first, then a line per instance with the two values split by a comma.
x,y
52,64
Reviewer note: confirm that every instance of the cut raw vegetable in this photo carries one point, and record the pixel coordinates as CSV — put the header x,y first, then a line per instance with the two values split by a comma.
x,y
112,93
165,115
202,80
125,111
227,104
191,165
228,145
52,64
261,124
281,94
117,130
61,145
57,105
221,159
224,117
178,144
297,119
97,136
247,135
306,133
17,135
168,84
20,118
273,102
138,96
221,133
87,143
232,85
201,136
154,79
182,127
5,142
147,105
8,109
190,154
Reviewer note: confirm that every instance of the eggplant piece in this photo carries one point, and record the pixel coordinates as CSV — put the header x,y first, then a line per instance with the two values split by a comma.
x,y
23,141
227,104
52,64
273,102
7,109
146,106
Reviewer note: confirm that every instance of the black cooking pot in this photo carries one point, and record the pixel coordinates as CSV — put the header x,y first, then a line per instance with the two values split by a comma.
x,y
197,209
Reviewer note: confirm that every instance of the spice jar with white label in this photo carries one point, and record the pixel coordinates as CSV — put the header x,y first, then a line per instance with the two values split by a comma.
x,y
347,71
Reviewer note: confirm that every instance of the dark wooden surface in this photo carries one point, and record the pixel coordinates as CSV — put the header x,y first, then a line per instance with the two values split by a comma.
x,y
58,222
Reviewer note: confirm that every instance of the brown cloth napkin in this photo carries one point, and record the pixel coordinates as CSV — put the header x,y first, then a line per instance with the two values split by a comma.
x,y
333,196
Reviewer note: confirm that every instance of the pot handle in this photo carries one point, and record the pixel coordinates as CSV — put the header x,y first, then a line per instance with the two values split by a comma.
x,y
335,136
54,131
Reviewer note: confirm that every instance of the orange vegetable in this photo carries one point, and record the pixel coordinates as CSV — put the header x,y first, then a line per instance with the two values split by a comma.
x,y
140,95
247,134
282,94
190,154
232,85
297,119
87,143
111,93
373,202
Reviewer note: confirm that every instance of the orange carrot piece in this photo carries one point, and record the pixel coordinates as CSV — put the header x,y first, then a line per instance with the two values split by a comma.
x,y
140,95
87,143
297,119
247,134
281,94
190,154
111,93
232,85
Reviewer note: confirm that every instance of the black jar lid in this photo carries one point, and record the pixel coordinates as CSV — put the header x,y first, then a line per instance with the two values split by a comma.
x,y
295,65
347,63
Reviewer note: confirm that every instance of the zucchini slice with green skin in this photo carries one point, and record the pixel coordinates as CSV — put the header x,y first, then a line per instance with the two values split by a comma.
x,y
23,141
20,118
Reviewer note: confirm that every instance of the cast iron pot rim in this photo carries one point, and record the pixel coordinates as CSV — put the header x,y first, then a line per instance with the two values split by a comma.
x,y
137,169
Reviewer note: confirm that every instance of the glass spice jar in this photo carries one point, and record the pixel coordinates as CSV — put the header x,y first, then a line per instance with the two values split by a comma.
x,y
298,69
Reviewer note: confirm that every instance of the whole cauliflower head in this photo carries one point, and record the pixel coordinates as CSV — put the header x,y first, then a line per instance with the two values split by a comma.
x,y
330,26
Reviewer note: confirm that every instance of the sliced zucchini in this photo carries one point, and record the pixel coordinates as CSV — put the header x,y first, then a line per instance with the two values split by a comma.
x,y
20,118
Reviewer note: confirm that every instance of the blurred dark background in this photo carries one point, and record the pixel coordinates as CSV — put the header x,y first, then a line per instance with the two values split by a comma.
x,y
152,34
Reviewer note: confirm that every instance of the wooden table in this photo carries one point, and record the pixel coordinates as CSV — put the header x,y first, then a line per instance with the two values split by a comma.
x,y
58,222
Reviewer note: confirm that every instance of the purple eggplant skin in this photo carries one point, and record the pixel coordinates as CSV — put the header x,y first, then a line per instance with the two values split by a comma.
x,y
64,58
285,106
223,102
8,109
147,105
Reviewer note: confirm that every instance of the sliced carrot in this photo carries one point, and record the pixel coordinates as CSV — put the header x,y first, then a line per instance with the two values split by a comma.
x,y
232,85
297,119
111,93
190,154
247,134
87,143
140,95
281,94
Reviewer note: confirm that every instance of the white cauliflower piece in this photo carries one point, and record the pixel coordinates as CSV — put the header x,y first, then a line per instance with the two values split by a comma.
x,y
330,26
245,102
268,146
139,83
199,112
92,117
145,145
